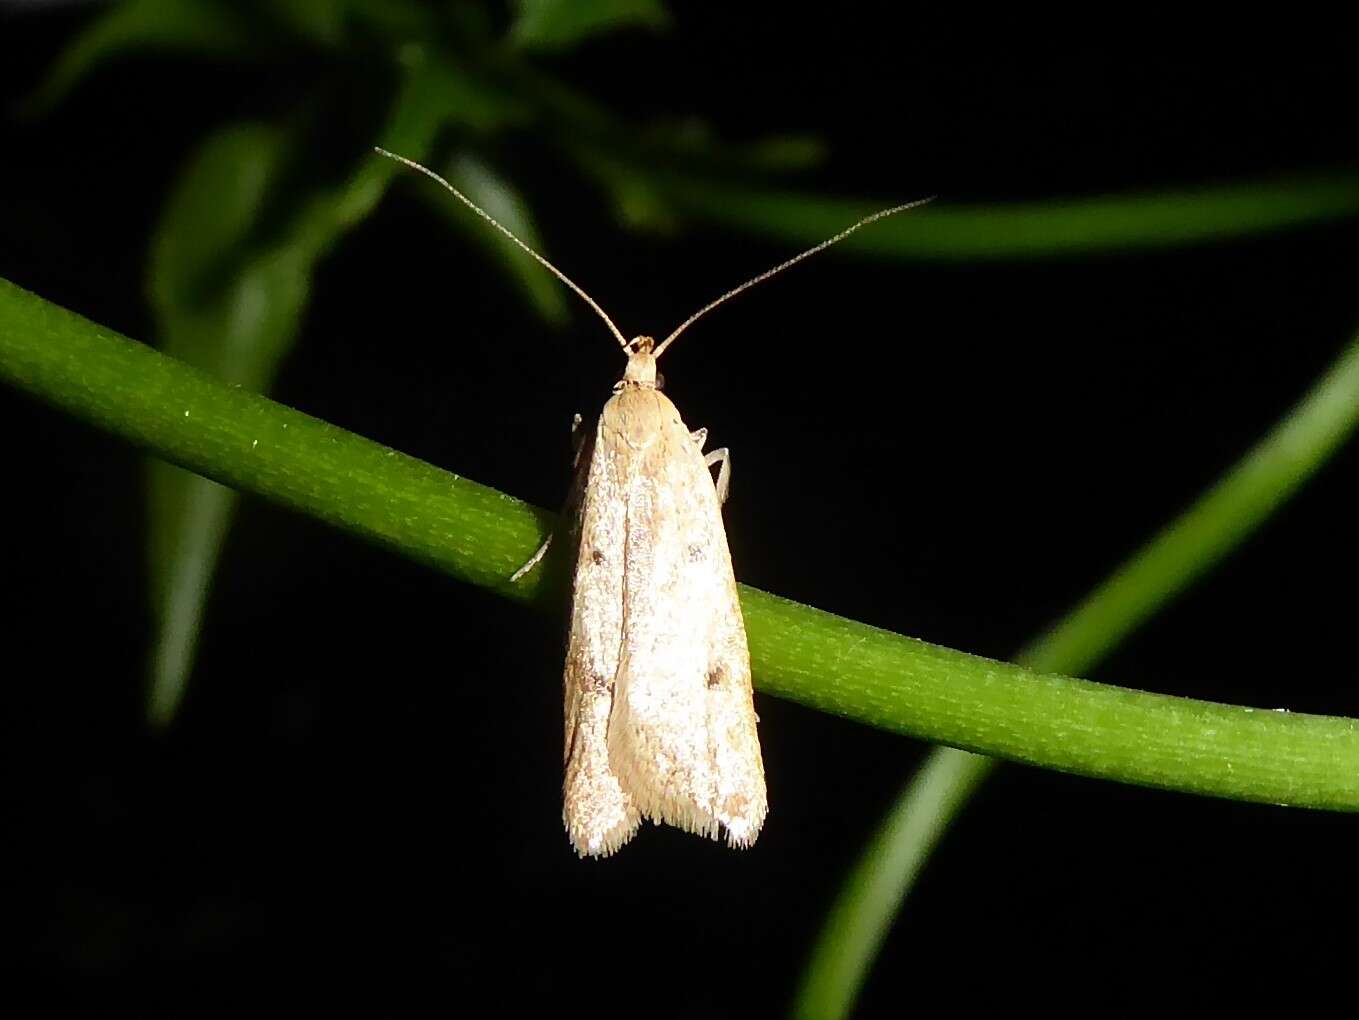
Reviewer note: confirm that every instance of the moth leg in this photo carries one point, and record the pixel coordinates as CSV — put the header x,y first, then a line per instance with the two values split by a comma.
x,y
700,436
721,455
532,560
577,441
577,437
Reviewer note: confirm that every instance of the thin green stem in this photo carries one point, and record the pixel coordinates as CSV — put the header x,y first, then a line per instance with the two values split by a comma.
x,y
874,888
1181,553
480,535
1053,227
1265,479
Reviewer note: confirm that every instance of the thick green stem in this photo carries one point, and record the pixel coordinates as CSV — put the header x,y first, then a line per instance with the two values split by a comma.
x,y
480,535
257,445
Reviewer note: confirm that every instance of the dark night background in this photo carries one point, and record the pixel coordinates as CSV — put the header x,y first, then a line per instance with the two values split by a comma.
x,y
360,801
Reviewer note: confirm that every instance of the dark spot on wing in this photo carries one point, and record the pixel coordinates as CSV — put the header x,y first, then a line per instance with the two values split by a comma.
x,y
695,552
596,557
716,674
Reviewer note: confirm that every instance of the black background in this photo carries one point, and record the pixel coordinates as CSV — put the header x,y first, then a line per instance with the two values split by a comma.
x,y
360,802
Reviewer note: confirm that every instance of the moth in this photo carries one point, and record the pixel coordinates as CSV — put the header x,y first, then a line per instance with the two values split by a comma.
x,y
660,721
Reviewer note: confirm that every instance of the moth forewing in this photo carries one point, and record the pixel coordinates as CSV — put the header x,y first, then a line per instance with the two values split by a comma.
x,y
599,816
660,721
682,738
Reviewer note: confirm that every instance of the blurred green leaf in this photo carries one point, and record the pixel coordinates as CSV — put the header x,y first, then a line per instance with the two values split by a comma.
x,y
639,205
205,27
188,517
452,93
1011,230
226,28
233,315
695,137
320,21
503,201
645,199
398,20
217,307
230,276
561,24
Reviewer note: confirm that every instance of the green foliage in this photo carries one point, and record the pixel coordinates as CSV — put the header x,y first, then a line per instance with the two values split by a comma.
x,y
230,276
251,218
201,27
560,24
1045,229
1185,550
499,197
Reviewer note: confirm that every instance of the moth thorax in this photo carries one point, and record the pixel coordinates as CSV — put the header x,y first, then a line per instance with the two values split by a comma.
x,y
641,370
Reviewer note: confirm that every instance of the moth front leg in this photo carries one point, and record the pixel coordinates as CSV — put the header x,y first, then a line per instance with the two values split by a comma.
x,y
532,561
577,439
577,442
723,455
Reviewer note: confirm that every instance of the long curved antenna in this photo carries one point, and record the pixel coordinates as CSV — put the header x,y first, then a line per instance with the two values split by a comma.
x,y
495,223
784,265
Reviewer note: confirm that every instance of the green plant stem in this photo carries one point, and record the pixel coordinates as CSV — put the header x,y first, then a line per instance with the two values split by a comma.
x,y
1264,479
1022,230
253,444
872,892
838,665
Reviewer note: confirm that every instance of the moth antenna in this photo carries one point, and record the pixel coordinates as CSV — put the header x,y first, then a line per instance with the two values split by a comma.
x,y
505,230
880,214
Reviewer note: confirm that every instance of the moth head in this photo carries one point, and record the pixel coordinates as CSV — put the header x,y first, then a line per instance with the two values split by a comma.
x,y
641,370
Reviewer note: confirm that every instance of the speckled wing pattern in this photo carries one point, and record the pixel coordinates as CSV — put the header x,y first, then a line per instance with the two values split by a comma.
x,y
659,718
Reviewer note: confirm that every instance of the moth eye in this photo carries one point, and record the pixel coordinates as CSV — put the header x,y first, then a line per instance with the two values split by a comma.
x,y
715,675
695,552
596,557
